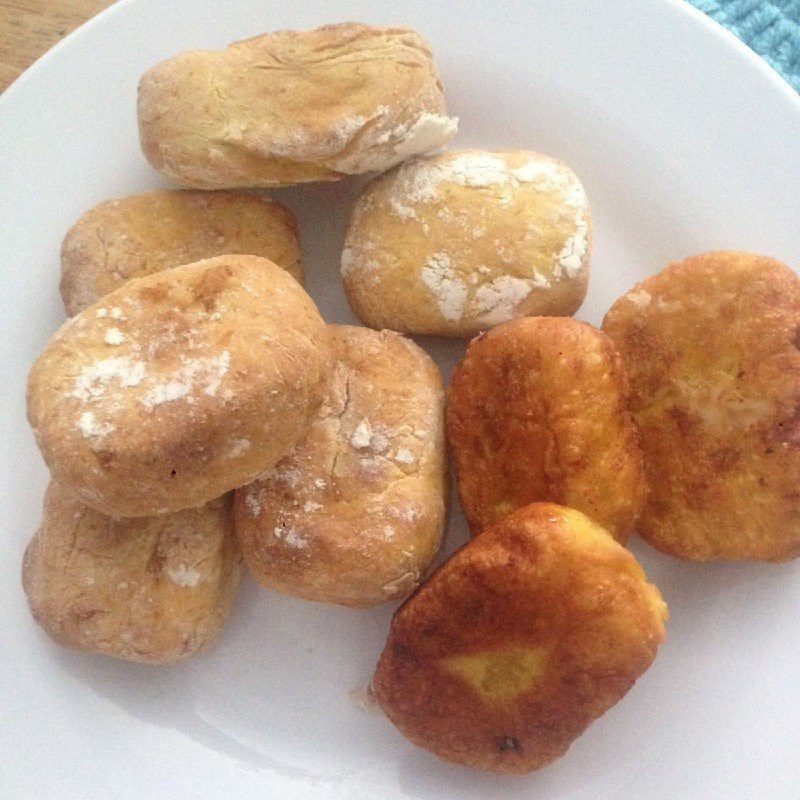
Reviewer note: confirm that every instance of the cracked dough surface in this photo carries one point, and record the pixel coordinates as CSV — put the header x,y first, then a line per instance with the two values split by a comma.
x,y
140,234
293,106
356,512
151,589
454,243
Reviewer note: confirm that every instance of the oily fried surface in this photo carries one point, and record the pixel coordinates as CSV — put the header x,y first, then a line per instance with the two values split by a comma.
x,y
152,589
536,410
527,634
711,347
355,513
140,234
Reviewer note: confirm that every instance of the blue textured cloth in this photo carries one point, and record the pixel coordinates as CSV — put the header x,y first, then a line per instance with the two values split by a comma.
x,y
770,27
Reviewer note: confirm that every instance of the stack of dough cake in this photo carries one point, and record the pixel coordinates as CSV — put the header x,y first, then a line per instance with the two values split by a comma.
x,y
196,412
194,363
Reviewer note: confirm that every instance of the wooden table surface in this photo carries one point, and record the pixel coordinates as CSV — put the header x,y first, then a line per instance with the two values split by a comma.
x,y
30,27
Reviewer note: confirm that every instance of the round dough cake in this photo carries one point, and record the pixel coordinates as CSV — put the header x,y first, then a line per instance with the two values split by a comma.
x,y
179,386
455,243
519,641
712,348
145,233
537,410
152,589
293,106
356,512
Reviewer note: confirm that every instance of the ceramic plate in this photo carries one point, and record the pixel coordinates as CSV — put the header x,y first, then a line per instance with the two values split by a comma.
x,y
685,141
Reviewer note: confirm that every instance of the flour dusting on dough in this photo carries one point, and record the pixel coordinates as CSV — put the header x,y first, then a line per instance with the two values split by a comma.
x,y
90,428
570,259
445,285
184,576
93,379
498,301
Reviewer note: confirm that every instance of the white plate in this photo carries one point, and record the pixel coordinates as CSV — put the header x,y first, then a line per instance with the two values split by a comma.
x,y
685,141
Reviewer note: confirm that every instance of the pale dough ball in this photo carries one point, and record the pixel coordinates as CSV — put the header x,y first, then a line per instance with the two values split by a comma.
x,y
179,386
151,589
134,236
293,106
455,243
356,512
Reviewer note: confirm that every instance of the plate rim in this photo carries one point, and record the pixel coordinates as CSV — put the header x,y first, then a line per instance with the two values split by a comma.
x,y
21,90
698,17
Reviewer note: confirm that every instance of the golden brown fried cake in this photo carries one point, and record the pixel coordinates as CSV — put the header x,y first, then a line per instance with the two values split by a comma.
x,y
455,243
711,347
145,233
152,589
355,513
293,106
517,643
180,386
536,410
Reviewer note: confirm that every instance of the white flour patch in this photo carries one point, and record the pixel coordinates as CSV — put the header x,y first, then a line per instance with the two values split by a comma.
x,y
378,441
641,299
346,128
184,576
164,393
570,259
205,371
113,336
404,456
351,263
418,181
427,132
444,284
92,381
252,500
290,537
401,210
539,281
497,301
238,447
406,513
348,261
362,435
90,428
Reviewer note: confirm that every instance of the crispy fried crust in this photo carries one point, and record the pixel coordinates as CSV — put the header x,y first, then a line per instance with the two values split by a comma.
x,y
179,386
455,243
711,347
293,106
536,410
152,589
356,512
517,643
134,236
